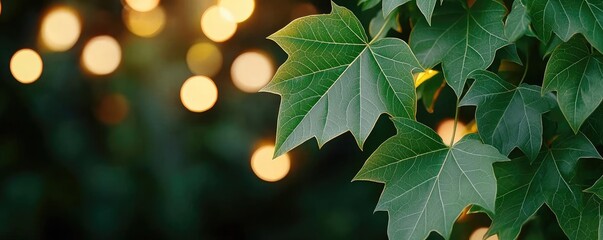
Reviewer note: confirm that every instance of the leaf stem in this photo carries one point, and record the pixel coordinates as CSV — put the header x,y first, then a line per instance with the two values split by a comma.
x,y
525,70
456,121
383,27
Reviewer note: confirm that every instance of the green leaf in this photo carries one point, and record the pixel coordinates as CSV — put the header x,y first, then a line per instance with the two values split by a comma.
x,y
368,4
597,188
425,6
336,81
577,76
430,90
566,18
388,6
517,22
593,127
508,116
591,16
525,187
462,39
583,222
427,184
550,46
559,16
509,52
377,26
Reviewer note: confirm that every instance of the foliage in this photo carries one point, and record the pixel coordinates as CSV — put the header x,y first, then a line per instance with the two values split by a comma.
x,y
546,120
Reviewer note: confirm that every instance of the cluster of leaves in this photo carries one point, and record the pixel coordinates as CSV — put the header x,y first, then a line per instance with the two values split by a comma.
x,y
337,79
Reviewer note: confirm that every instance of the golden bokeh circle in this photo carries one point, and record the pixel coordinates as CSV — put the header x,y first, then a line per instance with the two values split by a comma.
x,y
204,59
60,29
101,55
142,5
251,71
217,24
446,127
268,169
240,10
198,94
26,66
145,24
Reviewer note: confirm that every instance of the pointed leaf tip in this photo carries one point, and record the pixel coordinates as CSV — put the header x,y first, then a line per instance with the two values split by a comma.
x,y
423,174
320,82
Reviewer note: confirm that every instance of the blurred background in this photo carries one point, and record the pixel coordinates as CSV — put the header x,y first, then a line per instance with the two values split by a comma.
x,y
140,119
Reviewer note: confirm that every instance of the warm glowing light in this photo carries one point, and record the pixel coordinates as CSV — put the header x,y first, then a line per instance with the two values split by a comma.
x,y
424,76
0,7
445,129
268,169
303,9
464,214
112,109
204,59
26,66
471,127
198,94
101,55
240,10
60,29
142,5
217,24
145,24
480,233
251,71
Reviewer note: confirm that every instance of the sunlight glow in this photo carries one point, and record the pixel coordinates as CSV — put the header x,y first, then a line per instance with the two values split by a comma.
x,y
142,5
204,59
424,76
480,233
198,94
471,127
60,29
101,55
240,10
268,169
145,24
251,71
26,66
217,24
446,127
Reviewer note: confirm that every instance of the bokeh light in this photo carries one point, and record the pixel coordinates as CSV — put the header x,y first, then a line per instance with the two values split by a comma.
x,y
60,29
217,24
240,10
424,76
112,109
198,94
26,66
471,127
446,127
480,233
142,5
268,169
302,10
251,71
204,59
145,24
0,7
101,55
